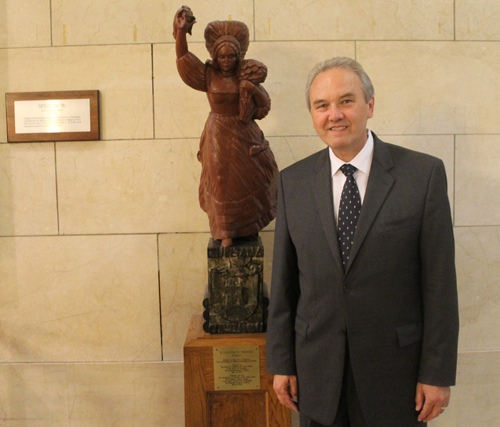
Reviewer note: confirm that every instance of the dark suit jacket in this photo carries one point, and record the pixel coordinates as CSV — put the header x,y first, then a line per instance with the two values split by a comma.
x,y
396,304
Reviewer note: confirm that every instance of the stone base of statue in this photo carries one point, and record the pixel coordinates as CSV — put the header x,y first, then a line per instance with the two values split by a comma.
x,y
226,383
236,298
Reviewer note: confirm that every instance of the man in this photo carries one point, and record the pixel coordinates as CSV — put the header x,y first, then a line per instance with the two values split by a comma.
x,y
366,335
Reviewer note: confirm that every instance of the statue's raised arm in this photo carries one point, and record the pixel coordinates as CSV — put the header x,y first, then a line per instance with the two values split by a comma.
x,y
239,174
183,24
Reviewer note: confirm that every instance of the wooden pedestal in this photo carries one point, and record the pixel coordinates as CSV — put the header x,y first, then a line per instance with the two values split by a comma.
x,y
206,407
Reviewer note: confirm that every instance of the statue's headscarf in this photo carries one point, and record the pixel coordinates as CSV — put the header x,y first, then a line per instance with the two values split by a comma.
x,y
218,33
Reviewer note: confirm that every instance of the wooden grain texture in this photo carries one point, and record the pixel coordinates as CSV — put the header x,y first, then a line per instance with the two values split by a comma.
x,y
242,409
93,135
208,408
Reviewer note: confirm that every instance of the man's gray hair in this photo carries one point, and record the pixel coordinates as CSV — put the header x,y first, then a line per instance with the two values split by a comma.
x,y
343,63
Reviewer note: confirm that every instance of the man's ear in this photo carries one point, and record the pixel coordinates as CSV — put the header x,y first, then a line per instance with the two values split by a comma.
x,y
371,106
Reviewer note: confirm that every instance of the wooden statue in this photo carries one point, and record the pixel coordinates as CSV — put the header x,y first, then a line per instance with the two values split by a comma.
x,y
239,174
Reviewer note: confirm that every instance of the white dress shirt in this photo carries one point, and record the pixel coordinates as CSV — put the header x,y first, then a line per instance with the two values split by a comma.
x,y
362,162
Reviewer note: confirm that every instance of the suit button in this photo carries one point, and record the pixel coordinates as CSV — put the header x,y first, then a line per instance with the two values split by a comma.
x,y
347,289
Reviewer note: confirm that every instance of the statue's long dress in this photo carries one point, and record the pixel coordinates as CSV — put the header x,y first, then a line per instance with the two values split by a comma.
x,y
239,174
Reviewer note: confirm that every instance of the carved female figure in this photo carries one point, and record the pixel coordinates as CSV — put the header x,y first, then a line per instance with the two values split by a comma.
x,y
239,174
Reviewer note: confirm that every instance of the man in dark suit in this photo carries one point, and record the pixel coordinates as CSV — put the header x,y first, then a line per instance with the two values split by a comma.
x,y
366,335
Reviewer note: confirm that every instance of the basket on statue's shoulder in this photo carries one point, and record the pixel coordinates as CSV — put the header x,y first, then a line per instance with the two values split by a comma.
x,y
256,73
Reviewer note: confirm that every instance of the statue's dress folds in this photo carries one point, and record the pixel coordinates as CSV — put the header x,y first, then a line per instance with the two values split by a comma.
x,y
239,173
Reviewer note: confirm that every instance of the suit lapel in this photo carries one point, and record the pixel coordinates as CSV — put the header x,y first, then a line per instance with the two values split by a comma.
x,y
323,195
379,184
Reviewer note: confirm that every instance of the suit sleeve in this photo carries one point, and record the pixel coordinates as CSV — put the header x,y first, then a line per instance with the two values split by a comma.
x,y
280,345
439,288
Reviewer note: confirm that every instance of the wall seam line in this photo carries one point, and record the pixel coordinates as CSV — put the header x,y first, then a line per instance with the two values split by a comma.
x,y
57,189
454,178
159,292
50,11
254,32
454,20
153,88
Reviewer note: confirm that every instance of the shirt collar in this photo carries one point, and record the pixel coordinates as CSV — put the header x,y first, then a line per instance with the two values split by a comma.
x,y
363,160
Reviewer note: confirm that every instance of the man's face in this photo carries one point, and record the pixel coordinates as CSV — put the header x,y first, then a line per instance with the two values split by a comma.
x,y
339,111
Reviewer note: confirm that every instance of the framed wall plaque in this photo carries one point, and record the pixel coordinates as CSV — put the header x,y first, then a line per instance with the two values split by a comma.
x,y
53,116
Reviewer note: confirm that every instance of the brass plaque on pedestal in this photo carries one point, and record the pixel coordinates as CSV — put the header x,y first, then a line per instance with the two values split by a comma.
x,y
236,368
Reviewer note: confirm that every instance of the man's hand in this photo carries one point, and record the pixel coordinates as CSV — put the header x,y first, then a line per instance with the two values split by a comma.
x,y
286,388
431,400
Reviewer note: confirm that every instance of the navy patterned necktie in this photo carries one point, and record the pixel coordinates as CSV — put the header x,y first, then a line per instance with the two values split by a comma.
x,y
349,209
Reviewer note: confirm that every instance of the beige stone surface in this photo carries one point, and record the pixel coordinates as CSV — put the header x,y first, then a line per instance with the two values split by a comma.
x,y
478,269
183,278
129,187
24,23
122,74
142,186
433,87
92,395
84,298
290,149
360,20
475,400
126,395
289,64
181,111
33,395
441,146
28,189
477,180
477,20
82,22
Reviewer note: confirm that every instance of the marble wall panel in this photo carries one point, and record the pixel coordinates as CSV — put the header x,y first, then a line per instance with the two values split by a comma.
x,y
475,401
86,298
81,22
181,111
433,87
122,74
126,395
129,187
33,395
289,64
25,23
184,277
91,395
141,186
289,150
477,20
478,269
348,20
477,180
27,189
